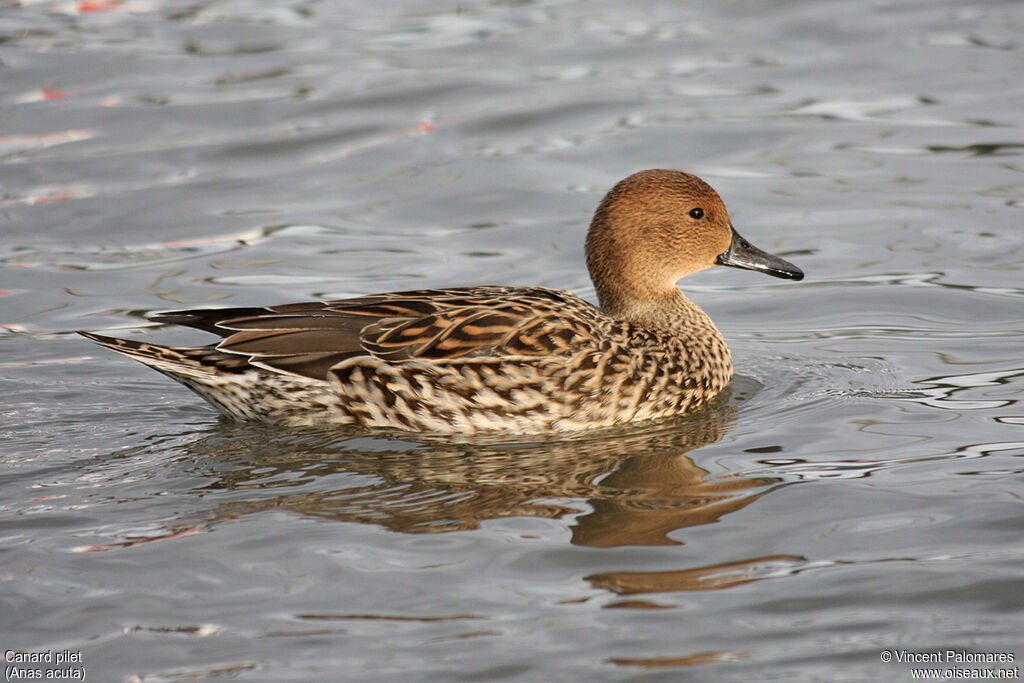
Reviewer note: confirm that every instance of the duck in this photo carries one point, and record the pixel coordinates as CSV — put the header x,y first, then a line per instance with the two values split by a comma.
x,y
491,358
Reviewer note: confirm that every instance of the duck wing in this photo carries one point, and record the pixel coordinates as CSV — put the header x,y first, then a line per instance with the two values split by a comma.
x,y
436,325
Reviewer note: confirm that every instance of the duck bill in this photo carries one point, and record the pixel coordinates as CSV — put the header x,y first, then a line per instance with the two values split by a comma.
x,y
743,254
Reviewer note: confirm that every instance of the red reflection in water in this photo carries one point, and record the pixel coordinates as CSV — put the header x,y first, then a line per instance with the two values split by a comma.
x,y
86,6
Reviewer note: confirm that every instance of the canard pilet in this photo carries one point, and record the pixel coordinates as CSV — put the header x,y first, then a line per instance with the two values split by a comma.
x,y
491,358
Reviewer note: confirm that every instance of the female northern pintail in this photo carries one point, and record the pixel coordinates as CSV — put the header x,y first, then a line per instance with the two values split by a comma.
x,y
492,358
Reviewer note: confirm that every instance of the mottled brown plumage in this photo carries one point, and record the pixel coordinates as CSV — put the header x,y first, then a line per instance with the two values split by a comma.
x,y
491,358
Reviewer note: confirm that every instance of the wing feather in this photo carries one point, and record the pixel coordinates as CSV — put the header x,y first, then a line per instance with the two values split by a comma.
x,y
437,325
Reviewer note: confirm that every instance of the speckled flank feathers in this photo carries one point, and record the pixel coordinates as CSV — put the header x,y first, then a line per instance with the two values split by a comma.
x,y
491,358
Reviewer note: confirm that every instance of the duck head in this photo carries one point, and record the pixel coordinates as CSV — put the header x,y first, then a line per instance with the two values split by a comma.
x,y
658,226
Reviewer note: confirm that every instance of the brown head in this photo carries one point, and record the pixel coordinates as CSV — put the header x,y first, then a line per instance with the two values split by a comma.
x,y
656,227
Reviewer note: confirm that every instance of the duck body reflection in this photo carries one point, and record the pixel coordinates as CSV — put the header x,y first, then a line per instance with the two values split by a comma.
x,y
622,486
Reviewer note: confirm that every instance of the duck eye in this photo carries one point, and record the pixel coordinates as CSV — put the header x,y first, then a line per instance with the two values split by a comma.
x,y
696,214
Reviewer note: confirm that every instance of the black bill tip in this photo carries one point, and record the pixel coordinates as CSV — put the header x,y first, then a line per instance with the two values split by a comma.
x,y
743,254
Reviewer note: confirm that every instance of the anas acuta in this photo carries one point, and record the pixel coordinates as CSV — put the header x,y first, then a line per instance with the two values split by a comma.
x,y
491,358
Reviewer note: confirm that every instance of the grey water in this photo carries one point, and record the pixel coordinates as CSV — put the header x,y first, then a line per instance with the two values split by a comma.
x,y
853,504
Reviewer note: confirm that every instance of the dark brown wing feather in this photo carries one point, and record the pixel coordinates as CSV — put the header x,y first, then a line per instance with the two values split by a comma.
x,y
438,325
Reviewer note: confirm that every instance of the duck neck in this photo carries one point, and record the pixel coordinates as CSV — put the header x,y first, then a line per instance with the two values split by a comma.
x,y
668,310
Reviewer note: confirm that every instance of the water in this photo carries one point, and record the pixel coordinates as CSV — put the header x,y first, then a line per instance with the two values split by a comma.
x,y
858,493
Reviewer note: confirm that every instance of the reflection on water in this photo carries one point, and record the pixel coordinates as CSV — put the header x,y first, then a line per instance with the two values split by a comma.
x,y
633,488
724,575
701,658
944,390
624,487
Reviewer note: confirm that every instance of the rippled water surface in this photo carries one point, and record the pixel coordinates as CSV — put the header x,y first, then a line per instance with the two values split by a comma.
x,y
858,493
